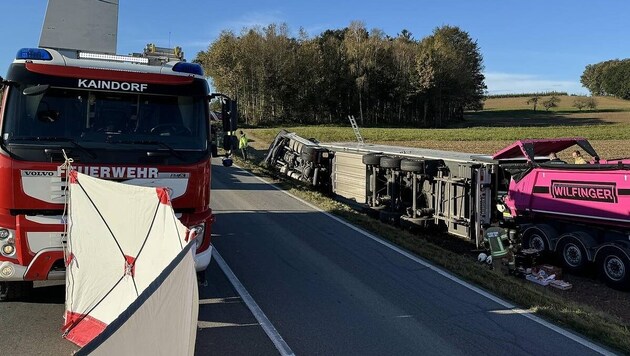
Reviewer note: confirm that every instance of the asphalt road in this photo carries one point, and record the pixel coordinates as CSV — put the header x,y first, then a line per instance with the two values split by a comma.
x,y
326,288
331,289
33,326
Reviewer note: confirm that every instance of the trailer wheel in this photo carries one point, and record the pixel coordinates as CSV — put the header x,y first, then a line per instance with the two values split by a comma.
x,y
411,165
372,159
572,254
390,162
614,268
14,290
538,237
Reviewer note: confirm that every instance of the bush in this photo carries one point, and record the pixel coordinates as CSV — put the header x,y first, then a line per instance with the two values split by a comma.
x,y
582,102
552,102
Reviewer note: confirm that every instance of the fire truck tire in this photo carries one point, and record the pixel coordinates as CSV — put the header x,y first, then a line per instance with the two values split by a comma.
x,y
614,268
411,165
572,253
372,159
14,290
390,162
538,237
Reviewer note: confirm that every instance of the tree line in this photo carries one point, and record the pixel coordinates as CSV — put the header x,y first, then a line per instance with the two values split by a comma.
x,y
521,95
610,77
381,80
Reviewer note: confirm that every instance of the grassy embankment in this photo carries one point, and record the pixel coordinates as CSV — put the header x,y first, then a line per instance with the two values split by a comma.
x,y
608,128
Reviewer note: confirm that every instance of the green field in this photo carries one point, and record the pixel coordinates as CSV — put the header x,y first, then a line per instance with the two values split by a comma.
x,y
502,122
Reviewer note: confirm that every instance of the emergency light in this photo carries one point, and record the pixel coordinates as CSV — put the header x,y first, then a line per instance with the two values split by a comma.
x,y
185,67
34,53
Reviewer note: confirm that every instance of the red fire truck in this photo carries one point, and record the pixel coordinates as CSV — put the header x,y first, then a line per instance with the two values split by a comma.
x,y
141,119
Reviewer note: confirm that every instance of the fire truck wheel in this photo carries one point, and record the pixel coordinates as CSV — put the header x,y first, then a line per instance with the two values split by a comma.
x,y
614,268
14,290
390,162
536,237
572,254
372,159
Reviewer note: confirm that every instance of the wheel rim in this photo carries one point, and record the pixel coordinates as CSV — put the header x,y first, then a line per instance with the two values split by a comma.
x,y
537,242
614,268
572,255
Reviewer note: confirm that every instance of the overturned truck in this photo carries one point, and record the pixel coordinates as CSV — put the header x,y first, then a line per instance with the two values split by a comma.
x,y
577,213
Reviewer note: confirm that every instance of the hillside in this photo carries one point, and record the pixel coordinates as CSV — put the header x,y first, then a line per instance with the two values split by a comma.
x,y
605,103
503,111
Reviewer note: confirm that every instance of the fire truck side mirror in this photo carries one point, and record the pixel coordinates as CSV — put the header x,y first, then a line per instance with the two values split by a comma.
x,y
36,90
229,115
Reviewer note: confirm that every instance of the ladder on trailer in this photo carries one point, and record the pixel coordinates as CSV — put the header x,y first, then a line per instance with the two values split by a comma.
x,y
355,128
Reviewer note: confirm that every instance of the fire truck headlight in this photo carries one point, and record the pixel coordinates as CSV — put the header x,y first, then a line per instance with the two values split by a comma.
x,y
4,233
8,250
7,271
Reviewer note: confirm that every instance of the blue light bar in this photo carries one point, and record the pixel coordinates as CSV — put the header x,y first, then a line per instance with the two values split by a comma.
x,y
185,67
34,53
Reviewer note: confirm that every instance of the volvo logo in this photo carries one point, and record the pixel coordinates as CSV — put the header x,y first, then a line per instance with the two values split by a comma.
x,y
38,173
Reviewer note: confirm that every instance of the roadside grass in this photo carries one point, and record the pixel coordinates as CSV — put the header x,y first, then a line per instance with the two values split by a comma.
x,y
603,328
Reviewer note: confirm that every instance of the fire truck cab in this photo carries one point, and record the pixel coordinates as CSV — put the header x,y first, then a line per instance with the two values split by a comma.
x,y
141,119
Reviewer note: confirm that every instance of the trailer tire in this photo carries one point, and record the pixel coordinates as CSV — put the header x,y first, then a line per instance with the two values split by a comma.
x,y
412,165
614,268
15,290
372,159
572,253
538,237
390,162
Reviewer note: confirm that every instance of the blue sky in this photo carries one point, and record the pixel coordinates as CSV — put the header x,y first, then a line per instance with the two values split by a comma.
x,y
534,45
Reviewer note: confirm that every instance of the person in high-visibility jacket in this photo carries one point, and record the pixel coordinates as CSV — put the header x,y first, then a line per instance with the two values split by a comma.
x,y
577,156
242,144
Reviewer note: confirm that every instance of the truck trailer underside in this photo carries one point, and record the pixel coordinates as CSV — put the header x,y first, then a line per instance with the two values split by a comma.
x,y
579,213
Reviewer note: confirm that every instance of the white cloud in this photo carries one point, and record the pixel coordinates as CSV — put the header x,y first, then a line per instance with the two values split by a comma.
x,y
513,83
253,19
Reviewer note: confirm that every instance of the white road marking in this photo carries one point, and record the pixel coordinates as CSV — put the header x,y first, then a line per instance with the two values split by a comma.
x,y
525,313
211,324
264,322
228,300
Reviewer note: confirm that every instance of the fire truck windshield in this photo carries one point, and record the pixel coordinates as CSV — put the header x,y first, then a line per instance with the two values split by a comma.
x,y
101,120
